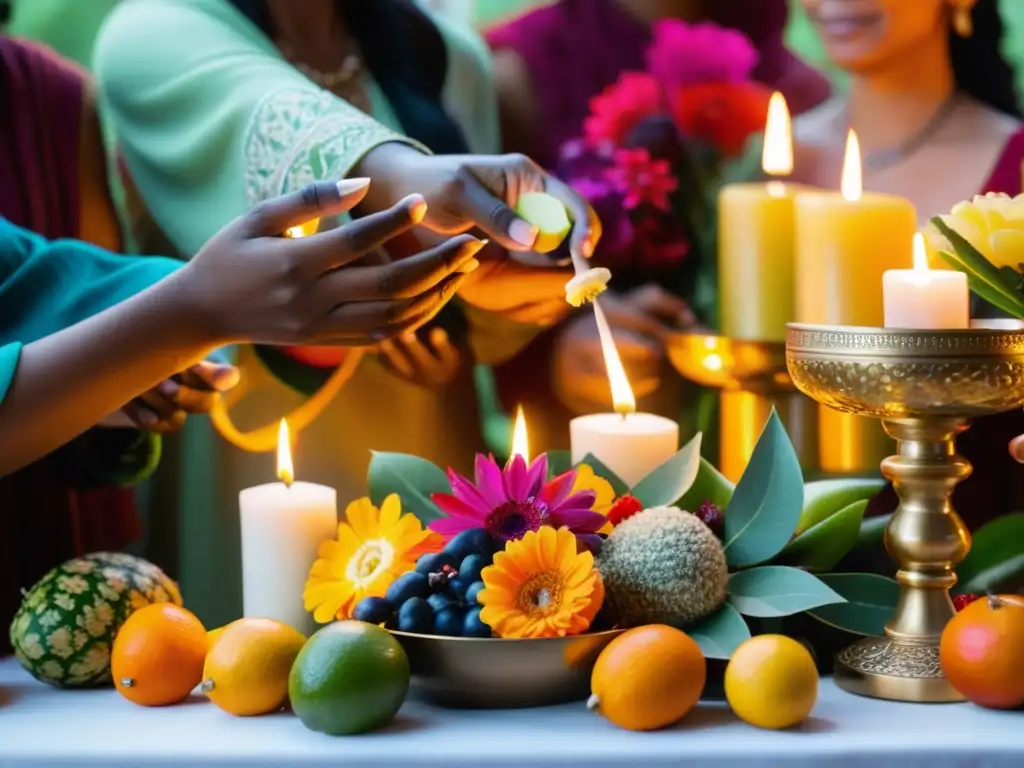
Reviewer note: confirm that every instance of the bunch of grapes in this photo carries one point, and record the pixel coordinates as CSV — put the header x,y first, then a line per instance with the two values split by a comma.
x,y
439,597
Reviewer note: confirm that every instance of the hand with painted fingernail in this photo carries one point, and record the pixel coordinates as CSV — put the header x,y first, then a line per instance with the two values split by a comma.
x,y
427,358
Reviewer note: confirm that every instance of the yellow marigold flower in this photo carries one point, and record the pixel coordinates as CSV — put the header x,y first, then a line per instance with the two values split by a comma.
x,y
586,480
373,548
586,287
993,224
541,586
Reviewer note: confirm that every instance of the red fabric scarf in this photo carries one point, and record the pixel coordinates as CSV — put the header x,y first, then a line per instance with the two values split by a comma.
x,y
43,521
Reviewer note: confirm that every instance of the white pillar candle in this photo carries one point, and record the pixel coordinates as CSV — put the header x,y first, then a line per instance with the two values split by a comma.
x,y
283,525
925,299
630,444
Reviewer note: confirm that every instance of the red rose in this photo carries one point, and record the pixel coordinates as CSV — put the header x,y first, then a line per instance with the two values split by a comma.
x,y
723,114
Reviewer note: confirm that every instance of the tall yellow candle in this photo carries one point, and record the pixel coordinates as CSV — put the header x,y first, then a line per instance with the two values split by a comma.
x,y
756,243
845,242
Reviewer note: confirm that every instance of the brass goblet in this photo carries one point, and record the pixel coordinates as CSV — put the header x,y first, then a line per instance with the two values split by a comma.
x,y
925,386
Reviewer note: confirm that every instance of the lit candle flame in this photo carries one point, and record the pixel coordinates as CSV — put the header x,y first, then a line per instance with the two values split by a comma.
x,y
920,254
520,442
777,154
852,185
622,394
285,469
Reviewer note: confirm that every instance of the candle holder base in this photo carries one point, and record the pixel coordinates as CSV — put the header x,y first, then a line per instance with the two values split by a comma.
x,y
883,668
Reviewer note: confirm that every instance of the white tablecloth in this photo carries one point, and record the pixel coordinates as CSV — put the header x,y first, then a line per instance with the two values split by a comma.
x,y
41,726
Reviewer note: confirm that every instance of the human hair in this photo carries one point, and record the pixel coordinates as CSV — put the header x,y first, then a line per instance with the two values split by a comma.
x,y
978,64
405,53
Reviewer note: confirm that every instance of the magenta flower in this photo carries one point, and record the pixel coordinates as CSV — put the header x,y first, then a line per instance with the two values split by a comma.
x,y
642,180
623,105
511,502
683,54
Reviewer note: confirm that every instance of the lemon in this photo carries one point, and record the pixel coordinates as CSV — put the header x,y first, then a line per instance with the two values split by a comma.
x,y
771,682
548,215
213,634
247,666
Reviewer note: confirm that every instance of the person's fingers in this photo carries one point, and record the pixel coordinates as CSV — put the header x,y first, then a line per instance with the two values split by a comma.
x,y
353,240
197,398
217,377
492,215
145,416
444,351
394,357
1017,448
162,405
586,226
405,278
321,198
655,300
418,352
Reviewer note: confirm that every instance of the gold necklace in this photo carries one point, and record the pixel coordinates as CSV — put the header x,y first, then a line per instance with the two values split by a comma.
x,y
347,82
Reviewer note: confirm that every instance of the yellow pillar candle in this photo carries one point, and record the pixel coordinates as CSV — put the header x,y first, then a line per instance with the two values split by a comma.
x,y
845,242
755,241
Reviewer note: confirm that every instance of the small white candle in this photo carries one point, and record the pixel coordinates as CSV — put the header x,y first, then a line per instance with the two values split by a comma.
x,y
630,444
283,525
925,299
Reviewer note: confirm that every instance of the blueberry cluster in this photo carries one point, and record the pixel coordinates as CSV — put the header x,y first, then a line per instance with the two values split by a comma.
x,y
439,597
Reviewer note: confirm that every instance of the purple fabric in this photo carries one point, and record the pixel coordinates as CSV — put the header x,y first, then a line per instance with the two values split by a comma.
x,y
576,48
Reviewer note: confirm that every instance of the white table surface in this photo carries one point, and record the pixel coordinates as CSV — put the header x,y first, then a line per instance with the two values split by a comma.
x,y
41,726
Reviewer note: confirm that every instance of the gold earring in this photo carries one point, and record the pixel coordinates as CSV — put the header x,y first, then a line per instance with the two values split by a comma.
x,y
963,24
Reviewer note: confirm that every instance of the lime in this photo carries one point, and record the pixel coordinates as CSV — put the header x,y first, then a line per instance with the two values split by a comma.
x,y
349,678
548,215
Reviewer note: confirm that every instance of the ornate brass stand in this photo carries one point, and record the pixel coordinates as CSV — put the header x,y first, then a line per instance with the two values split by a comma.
x,y
753,379
924,386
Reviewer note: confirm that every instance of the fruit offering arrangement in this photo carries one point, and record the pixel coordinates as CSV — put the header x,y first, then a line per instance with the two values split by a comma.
x,y
439,597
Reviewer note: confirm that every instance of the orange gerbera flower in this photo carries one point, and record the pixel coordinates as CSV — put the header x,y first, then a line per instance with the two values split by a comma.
x,y
540,586
373,548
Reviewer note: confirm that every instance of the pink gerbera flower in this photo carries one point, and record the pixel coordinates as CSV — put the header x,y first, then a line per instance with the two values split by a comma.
x,y
641,179
511,502
683,54
622,106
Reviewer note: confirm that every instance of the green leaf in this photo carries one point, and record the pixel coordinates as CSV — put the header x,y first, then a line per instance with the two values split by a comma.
x,y
870,602
996,555
412,478
767,502
559,462
601,470
721,633
709,485
824,498
978,285
823,546
775,590
667,483
872,533
976,265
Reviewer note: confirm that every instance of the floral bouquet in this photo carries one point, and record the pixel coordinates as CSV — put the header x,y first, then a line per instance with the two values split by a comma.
x,y
537,549
655,144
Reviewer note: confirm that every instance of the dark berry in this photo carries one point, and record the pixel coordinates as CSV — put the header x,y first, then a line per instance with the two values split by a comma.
x,y
470,569
475,541
407,586
440,600
448,623
473,625
711,515
623,509
962,601
373,610
434,562
416,616
474,589
458,587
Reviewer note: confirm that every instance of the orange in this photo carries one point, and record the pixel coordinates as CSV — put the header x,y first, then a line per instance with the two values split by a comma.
x,y
648,678
246,671
771,682
982,652
158,655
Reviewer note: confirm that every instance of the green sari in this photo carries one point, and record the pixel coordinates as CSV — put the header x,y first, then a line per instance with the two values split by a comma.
x,y
211,119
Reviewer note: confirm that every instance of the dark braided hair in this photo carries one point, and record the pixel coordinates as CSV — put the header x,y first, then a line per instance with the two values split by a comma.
x,y
978,63
406,55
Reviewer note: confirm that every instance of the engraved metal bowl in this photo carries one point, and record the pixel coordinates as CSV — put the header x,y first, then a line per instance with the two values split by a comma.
x,y
900,374
491,673
719,362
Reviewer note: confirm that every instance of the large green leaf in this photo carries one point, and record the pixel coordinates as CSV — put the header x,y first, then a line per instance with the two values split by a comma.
x,y
974,264
558,462
412,478
667,483
870,602
996,556
721,633
822,547
601,470
775,590
709,485
767,502
979,286
872,532
824,498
